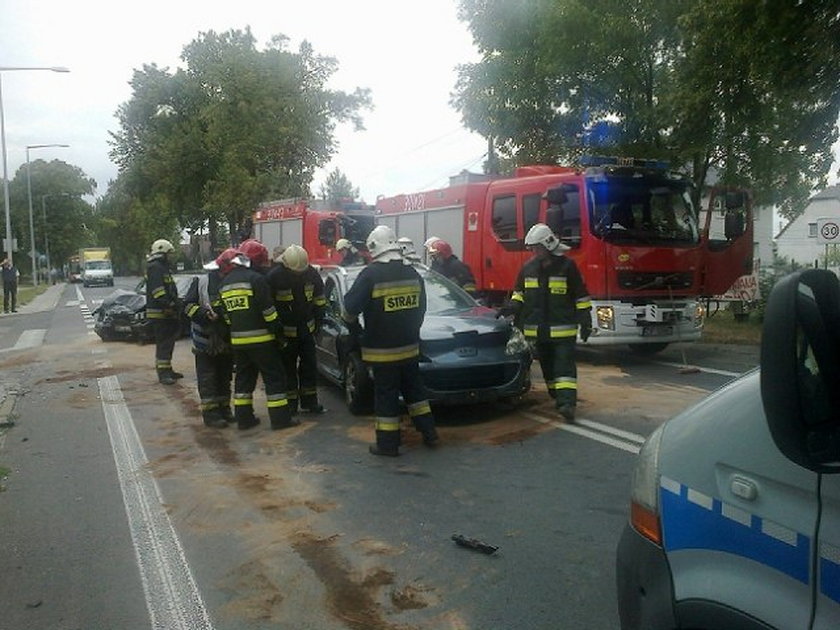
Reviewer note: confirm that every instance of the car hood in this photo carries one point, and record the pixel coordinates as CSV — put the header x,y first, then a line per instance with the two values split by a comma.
x,y
481,321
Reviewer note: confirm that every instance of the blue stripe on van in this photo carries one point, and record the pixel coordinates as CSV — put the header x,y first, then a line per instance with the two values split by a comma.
x,y
830,579
689,525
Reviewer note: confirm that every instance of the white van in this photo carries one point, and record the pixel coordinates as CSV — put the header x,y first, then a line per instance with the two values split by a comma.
x,y
735,503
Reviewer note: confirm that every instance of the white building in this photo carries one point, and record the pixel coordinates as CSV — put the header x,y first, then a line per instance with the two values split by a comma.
x,y
797,241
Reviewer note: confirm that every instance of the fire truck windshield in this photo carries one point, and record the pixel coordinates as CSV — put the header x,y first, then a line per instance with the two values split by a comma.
x,y
642,209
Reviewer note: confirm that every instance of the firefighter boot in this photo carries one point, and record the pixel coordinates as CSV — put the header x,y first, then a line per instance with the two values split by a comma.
x,y
225,411
281,418
387,444
425,424
567,411
245,418
175,375
165,377
213,419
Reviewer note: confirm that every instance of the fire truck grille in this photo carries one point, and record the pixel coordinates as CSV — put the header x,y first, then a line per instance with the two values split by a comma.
x,y
641,280
474,377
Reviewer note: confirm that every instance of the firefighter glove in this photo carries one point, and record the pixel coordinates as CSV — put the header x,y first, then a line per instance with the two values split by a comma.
x,y
585,331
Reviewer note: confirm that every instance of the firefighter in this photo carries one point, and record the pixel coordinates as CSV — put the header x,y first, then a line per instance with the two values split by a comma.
x,y
448,264
162,309
392,297
549,302
211,340
426,245
350,253
407,249
298,292
254,326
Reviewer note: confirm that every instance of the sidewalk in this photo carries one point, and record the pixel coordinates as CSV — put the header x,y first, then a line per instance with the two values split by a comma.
x,y
46,301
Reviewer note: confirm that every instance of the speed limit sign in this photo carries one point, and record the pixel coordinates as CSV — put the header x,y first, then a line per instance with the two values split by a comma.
x,y
828,230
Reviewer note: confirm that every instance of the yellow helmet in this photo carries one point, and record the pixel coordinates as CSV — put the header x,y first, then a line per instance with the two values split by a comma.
x,y
295,258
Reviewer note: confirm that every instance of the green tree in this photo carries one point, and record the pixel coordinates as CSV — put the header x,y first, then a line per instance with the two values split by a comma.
x,y
731,86
337,187
59,213
237,126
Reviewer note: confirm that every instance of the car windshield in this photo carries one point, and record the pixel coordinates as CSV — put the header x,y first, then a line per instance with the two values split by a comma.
x,y
637,209
443,297
98,264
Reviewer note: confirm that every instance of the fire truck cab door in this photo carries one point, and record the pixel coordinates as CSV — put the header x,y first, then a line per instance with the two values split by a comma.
x,y
728,240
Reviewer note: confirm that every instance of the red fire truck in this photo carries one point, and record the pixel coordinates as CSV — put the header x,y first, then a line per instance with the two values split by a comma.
x,y
632,227
314,224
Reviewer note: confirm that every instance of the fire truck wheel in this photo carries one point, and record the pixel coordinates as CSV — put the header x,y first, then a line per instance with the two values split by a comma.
x,y
358,387
647,349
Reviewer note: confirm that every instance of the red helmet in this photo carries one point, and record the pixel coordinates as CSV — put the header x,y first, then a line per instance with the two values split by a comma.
x,y
441,248
255,251
225,261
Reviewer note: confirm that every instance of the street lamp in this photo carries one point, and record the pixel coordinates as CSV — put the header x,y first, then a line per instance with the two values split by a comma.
x,y
29,191
3,143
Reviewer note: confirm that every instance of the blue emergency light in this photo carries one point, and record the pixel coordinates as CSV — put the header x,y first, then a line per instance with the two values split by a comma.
x,y
605,160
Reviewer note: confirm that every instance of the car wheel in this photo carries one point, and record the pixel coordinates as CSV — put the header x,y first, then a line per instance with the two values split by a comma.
x,y
648,349
358,387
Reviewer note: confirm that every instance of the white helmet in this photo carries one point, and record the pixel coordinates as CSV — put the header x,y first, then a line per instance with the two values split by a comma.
x,y
382,244
430,241
541,234
342,244
407,248
295,258
162,246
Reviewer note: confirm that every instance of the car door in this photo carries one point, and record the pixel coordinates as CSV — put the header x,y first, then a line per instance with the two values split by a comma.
x,y
326,341
827,614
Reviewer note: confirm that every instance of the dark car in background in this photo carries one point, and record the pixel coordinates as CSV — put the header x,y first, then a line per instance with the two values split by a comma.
x,y
467,355
122,314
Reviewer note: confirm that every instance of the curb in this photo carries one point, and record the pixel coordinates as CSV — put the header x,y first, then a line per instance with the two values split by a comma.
x,y
7,407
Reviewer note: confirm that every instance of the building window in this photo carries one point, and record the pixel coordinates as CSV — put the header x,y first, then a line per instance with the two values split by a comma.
x,y
812,230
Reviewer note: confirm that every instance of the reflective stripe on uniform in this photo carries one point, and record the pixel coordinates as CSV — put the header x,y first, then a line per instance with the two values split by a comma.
x,y
419,408
192,310
396,287
163,365
386,355
583,303
567,330
284,295
557,285
240,400
387,424
209,405
245,337
290,331
276,400
531,283
517,296
564,382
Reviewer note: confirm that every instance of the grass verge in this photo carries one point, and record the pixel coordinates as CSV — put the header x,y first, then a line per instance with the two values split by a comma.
x,y
722,327
26,294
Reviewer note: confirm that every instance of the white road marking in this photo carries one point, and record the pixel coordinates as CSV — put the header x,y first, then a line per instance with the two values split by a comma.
x,y
577,429
702,369
79,295
172,596
30,339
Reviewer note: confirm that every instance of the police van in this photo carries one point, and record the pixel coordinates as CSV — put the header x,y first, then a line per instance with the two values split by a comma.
x,y
735,503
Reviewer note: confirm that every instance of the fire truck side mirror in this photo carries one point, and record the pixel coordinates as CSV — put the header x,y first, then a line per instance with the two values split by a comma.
x,y
800,368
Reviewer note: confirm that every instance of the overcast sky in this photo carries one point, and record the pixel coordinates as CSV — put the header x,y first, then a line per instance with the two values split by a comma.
x,y
404,51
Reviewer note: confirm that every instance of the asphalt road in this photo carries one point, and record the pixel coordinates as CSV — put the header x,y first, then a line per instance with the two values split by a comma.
x,y
120,510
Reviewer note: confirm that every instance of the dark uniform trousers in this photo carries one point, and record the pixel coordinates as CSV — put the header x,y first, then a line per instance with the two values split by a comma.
x,y
301,372
167,332
557,361
251,361
213,375
389,380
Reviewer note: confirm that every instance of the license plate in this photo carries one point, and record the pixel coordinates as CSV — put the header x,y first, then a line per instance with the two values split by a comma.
x,y
657,331
122,328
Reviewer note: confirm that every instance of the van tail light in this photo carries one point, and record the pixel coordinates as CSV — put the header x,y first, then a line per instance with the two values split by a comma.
x,y
644,494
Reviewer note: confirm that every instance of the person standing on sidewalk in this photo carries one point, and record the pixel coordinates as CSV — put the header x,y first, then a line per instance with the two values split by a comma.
x,y
10,283
162,309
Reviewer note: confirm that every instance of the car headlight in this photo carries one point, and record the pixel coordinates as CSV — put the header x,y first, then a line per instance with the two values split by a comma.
x,y
517,343
699,315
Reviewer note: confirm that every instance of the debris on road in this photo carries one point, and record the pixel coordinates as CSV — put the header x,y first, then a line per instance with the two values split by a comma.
x,y
473,543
